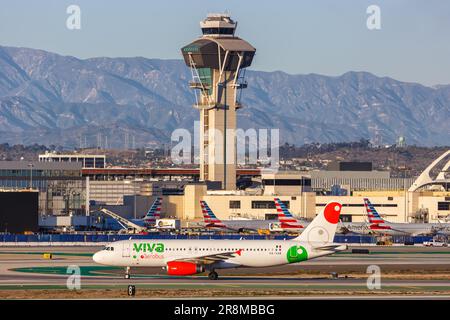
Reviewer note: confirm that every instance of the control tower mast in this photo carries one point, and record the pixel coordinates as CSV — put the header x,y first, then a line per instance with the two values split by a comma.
x,y
218,60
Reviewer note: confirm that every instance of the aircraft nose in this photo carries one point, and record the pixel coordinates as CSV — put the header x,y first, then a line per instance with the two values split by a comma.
x,y
97,257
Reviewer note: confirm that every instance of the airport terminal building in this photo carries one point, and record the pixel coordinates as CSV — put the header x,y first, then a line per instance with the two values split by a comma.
x,y
68,195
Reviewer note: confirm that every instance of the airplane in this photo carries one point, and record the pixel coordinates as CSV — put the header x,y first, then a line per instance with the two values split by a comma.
x,y
212,222
148,221
380,226
190,257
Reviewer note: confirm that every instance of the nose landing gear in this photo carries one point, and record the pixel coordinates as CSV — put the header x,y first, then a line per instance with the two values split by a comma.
x,y
127,273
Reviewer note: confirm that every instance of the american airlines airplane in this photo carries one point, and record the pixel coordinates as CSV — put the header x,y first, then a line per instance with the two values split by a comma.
x,y
212,222
189,257
381,226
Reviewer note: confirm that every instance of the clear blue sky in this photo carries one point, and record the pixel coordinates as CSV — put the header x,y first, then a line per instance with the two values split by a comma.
x,y
316,36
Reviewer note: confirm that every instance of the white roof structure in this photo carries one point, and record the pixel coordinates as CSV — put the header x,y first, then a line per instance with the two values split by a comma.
x,y
425,179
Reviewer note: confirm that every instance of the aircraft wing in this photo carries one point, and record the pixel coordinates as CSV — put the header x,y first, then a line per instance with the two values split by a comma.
x,y
409,233
211,258
423,233
219,227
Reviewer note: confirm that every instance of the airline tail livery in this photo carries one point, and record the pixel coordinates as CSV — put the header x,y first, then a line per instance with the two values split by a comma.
x,y
154,213
287,220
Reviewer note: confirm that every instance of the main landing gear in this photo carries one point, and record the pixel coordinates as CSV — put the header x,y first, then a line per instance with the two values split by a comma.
x,y
127,273
213,275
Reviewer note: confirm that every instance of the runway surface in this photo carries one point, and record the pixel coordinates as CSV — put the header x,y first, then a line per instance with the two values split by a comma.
x,y
25,268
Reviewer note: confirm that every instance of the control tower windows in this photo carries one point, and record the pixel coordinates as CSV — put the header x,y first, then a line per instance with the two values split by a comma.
x,y
227,31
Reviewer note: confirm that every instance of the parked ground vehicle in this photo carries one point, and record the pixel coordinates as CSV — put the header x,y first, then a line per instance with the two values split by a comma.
x,y
435,243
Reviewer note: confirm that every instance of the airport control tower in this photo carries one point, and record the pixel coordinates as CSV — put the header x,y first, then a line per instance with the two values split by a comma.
x,y
218,60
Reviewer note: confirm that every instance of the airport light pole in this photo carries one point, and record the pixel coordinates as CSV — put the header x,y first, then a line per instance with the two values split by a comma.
x,y
404,188
134,189
406,194
31,175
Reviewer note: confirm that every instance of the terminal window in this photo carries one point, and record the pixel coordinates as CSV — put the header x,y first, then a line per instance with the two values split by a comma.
x,y
346,218
287,182
99,162
271,216
235,204
385,205
266,204
89,163
443,206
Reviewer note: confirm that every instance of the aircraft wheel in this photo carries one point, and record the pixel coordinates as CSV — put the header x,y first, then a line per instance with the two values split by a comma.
x,y
213,275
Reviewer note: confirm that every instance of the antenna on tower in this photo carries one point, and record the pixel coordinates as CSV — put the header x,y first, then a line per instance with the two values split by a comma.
x,y
127,138
99,140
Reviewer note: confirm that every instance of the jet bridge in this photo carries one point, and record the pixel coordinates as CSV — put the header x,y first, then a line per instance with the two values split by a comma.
x,y
125,222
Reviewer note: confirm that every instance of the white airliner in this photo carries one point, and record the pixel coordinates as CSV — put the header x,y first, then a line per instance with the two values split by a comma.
x,y
189,257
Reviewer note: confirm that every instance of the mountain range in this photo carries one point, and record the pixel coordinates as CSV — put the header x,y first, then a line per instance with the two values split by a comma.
x,y
48,98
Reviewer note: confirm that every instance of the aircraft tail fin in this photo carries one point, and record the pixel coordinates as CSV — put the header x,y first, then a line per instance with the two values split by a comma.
x,y
209,217
282,211
323,228
372,214
154,212
285,216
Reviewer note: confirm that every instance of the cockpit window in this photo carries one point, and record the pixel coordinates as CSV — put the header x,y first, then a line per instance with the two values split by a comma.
x,y
109,248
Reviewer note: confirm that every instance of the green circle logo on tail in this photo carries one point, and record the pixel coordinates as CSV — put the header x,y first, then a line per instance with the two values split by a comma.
x,y
297,254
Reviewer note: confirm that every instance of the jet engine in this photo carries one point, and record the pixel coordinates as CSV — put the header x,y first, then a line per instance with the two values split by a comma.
x,y
181,268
